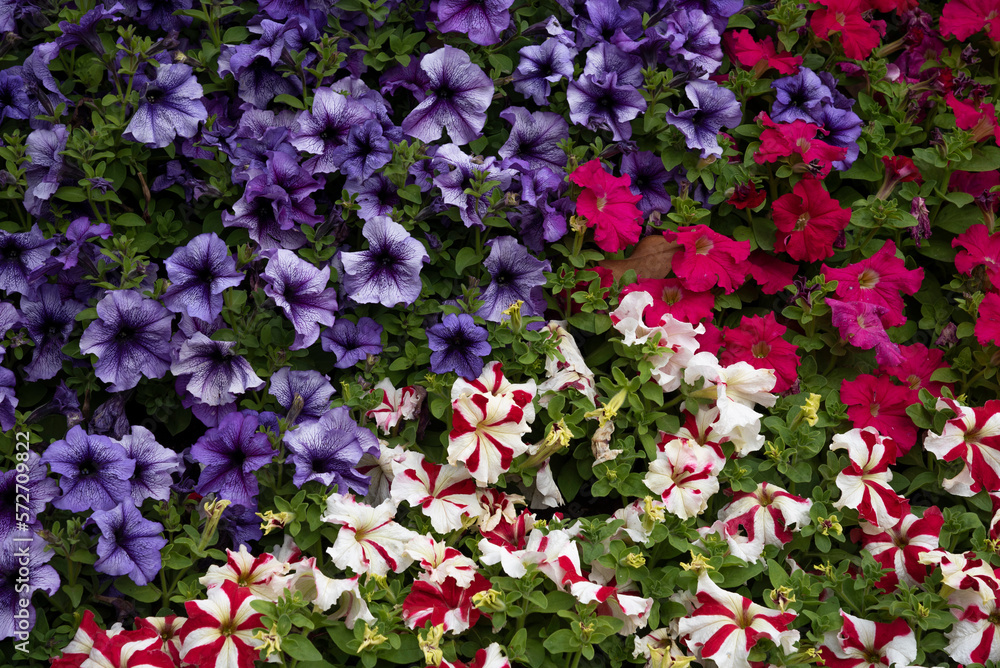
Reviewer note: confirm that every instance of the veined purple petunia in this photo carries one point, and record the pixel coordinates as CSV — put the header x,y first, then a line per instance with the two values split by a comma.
x,y
458,345
131,339
129,544
154,465
27,560
212,372
95,471
301,291
170,105
352,343
515,275
328,126
49,321
199,273
541,66
457,170
230,454
602,103
481,21
328,449
33,495
312,389
714,108
388,273
20,253
535,138
458,95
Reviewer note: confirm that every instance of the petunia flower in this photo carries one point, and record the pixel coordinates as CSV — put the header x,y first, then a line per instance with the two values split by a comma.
x,y
648,180
899,547
166,628
882,280
199,273
212,372
130,337
706,259
327,126
301,291
844,17
515,275
221,630
154,465
230,454
488,657
44,168
864,484
972,436
979,248
397,404
388,273
24,570
327,450
987,328
692,42
809,221
759,55
49,321
308,387
352,343
38,489
670,297
441,562
866,644
875,401
712,109
975,635
369,541
324,593
978,117
724,626
169,106
458,172
364,152
263,575
445,604
860,324
458,344
782,140
458,93
919,364
129,544
736,389
481,22
685,476
542,65
609,205
95,471
759,342
534,138
20,254
444,493
964,18
768,513
604,103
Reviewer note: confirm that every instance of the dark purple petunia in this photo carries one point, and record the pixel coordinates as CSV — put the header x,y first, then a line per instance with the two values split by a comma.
x,y
799,97
109,418
365,151
85,31
64,402
649,178
129,544
328,126
43,171
79,233
514,275
388,273
14,102
32,497
170,105
20,253
154,465
312,388
9,319
843,128
8,399
719,10
458,95
49,321
230,454
240,525
270,216
301,291
212,372
95,471
352,343
693,45
605,58
130,337
257,80
458,344
713,108
604,104
199,273
535,138
456,176
327,450
24,570
541,66
481,21
377,196
605,20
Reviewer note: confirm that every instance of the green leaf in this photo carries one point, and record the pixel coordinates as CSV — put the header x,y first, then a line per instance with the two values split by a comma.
x,y
562,641
740,21
130,220
466,258
129,589
71,194
300,648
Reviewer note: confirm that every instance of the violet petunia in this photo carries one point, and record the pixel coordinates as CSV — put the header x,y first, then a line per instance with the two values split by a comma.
x,y
799,97
49,321
456,173
649,179
326,126
95,471
24,570
365,151
693,44
329,449
130,337
352,343
308,390
14,102
602,103
542,65
458,344
154,465
515,275
199,273
605,58
458,95
212,372
8,399
607,20
713,108
20,254
43,171
377,196
36,491
301,291
388,273
170,106
535,138
240,525
230,454
129,544
481,21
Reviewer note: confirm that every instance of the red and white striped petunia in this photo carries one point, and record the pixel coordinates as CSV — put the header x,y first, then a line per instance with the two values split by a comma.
x,y
443,493
622,601
168,628
486,434
556,555
766,513
396,405
973,436
492,381
142,648
684,474
262,574
324,592
724,626
975,635
79,648
445,603
219,632
865,644
964,572
505,544
489,657
441,562
368,541
864,484
899,547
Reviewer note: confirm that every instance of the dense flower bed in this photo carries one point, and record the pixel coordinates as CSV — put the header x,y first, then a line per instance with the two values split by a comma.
x,y
482,333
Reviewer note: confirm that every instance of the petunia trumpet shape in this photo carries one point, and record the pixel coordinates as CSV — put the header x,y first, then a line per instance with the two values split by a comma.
x,y
864,484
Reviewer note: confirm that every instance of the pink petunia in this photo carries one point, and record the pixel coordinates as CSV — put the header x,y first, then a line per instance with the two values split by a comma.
x,y
769,273
877,402
707,259
979,249
881,280
759,56
918,365
758,341
864,484
670,296
608,205
979,117
988,323
783,140
860,324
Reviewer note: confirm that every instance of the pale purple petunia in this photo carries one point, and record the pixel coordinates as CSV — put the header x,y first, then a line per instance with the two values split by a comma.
x,y
535,138
20,253
458,95
607,20
131,339
514,275
43,172
301,291
230,454
310,386
799,97
170,105
327,450
605,58
481,20
8,399
602,103
377,196
24,570
49,321
713,108
129,544
692,42
212,372
352,343
154,465
95,471
199,273
456,175
365,151
328,126
458,345
541,66
388,273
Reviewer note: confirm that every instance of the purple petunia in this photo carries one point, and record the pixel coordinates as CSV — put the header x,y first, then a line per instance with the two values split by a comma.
x,y
327,126
240,525
458,95
692,42
377,196
24,570
199,273
713,108
154,465
8,399
20,253
301,291
458,344
481,21
603,103
364,152
14,102
43,172
535,138
129,544
456,175
49,321
130,337
312,388
541,66
32,496
95,471
388,273
649,178
352,343
212,372
230,454
799,97
170,105
514,275
328,449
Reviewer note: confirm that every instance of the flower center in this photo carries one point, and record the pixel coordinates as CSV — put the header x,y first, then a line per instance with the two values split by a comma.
x,y
800,223
868,279
761,349
671,295
874,410
153,95
703,246
601,203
